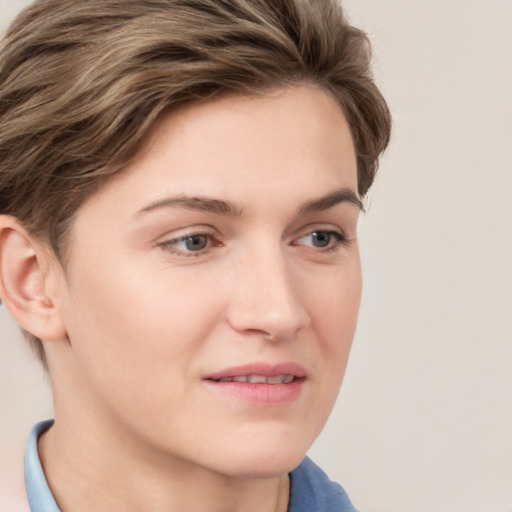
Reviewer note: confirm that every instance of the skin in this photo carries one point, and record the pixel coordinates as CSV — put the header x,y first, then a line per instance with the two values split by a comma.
x,y
145,313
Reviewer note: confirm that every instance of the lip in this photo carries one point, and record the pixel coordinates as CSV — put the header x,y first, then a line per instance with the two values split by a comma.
x,y
259,393
265,369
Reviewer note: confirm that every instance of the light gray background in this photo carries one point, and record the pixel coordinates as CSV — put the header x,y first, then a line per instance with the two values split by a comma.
x,y
424,420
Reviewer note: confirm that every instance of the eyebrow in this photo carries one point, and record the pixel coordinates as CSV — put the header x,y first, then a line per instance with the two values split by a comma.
x,y
343,195
202,204
229,209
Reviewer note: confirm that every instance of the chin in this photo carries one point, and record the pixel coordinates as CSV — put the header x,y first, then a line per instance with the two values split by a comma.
x,y
262,450
266,462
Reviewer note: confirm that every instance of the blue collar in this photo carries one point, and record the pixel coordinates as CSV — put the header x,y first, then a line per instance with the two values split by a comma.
x,y
39,495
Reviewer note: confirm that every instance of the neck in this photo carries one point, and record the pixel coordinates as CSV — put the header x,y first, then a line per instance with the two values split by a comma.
x,y
87,473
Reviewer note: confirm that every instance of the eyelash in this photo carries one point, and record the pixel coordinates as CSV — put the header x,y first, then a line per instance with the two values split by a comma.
x,y
337,240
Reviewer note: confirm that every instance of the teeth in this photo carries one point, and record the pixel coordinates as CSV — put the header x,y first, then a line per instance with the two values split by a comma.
x,y
260,379
278,379
257,379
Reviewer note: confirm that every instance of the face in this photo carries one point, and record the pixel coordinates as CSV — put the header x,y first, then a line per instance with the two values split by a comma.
x,y
213,286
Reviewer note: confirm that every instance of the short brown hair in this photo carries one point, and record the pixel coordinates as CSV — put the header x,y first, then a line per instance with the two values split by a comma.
x,y
81,84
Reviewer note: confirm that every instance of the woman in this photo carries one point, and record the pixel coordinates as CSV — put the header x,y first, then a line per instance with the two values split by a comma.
x,y
180,183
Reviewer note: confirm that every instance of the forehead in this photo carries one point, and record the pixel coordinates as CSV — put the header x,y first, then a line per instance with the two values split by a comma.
x,y
295,138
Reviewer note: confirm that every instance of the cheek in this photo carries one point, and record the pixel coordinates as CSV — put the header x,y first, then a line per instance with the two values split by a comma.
x,y
335,319
130,327
335,305
334,322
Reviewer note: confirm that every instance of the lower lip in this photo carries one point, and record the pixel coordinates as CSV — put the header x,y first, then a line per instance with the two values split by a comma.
x,y
265,394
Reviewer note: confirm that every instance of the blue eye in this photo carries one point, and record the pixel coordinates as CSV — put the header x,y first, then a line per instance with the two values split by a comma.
x,y
189,244
196,242
323,239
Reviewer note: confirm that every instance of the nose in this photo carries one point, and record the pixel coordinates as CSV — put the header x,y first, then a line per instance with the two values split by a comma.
x,y
266,298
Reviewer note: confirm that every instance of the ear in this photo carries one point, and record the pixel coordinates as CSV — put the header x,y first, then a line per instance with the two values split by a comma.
x,y
27,281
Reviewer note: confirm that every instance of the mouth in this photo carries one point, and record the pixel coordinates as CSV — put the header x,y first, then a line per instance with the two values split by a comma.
x,y
260,383
258,379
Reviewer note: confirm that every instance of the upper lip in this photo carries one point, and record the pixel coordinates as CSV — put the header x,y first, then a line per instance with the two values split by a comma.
x,y
261,368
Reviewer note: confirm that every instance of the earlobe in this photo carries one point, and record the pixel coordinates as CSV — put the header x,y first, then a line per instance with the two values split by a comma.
x,y
24,276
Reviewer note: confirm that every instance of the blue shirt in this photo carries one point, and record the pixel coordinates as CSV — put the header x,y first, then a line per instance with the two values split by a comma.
x,y
39,495
310,488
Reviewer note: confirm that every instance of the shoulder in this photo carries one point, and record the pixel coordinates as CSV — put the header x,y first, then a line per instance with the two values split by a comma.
x,y
311,489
